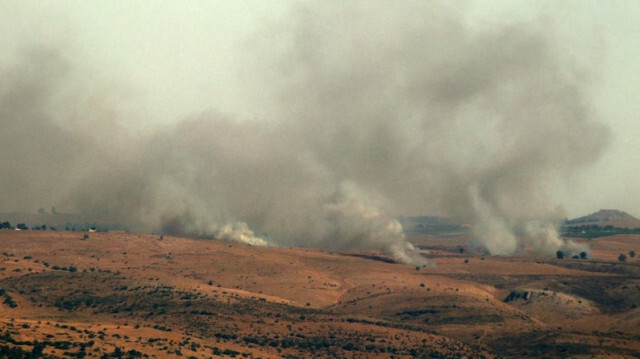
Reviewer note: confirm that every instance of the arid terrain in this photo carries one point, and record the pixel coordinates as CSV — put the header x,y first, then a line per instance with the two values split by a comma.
x,y
117,294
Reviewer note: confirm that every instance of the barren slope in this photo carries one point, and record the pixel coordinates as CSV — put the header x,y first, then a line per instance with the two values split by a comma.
x,y
141,294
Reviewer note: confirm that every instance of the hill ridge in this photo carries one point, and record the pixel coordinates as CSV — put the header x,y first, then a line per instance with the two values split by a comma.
x,y
605,217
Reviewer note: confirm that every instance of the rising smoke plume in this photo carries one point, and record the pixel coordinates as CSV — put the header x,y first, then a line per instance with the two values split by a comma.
x,y
372,112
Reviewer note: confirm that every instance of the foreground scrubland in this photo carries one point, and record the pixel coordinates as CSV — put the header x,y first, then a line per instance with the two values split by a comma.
x,y
117,294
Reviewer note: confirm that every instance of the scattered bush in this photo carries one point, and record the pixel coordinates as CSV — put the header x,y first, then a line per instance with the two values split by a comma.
x,y
8,300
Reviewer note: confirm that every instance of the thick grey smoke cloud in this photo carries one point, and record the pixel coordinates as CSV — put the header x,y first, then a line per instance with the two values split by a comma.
x,y
370,113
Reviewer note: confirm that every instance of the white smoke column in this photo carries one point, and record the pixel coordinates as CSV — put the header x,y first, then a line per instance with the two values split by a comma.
x,y
544,239
491,232
189,224
350,223
500,235
240,232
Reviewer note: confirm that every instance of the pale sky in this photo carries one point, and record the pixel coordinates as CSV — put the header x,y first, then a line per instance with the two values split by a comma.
x,y
173,59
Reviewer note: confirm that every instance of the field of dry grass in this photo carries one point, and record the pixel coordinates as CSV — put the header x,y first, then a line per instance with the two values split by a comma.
x,y
140,295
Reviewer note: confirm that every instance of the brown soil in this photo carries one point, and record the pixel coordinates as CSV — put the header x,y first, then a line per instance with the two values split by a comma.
x,y
142,296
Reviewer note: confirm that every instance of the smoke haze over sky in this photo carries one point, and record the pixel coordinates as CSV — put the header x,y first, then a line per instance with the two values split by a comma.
x,y
317,124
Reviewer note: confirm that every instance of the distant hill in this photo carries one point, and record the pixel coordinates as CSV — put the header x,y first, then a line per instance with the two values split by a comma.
x,y
607,217
434,225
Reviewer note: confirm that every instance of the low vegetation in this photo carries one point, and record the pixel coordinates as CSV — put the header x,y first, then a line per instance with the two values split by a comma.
x,y
133,296
595,231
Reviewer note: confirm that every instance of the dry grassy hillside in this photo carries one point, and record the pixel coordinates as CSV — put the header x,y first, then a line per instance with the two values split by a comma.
x,y
119,294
